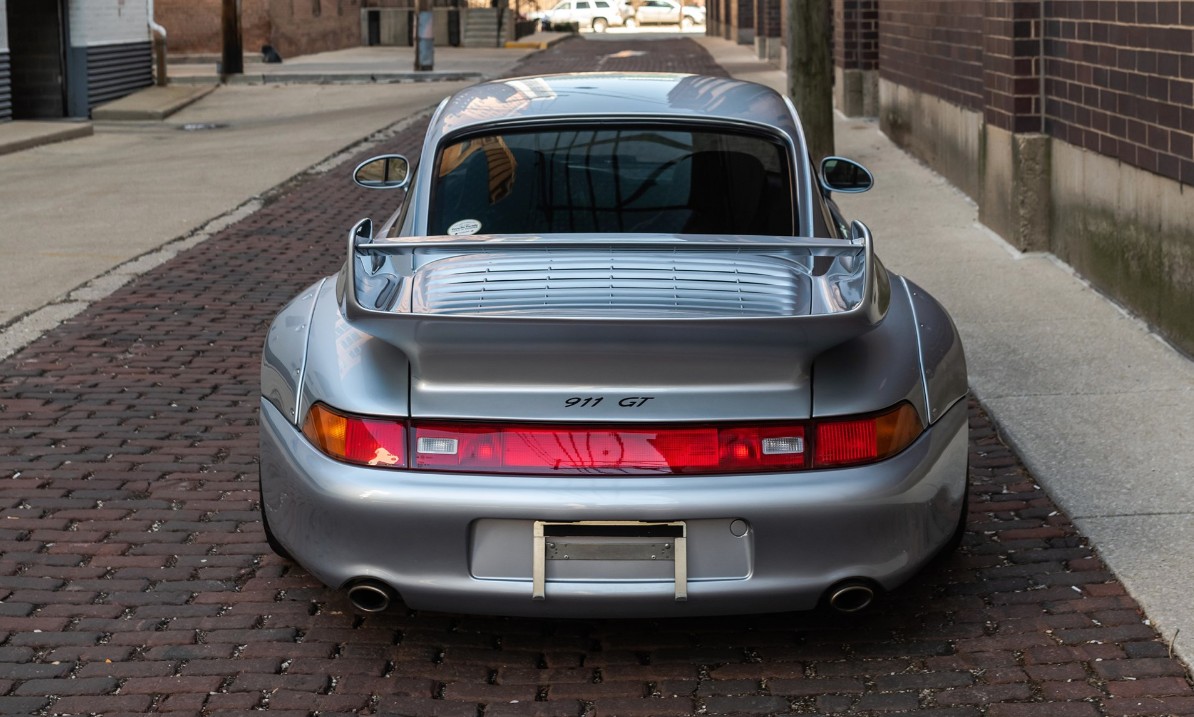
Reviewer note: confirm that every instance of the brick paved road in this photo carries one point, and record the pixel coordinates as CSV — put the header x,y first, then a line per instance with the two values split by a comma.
x,y
135,578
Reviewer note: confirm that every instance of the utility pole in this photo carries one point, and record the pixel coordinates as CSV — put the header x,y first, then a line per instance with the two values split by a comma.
x,y
424,36
233,60
810,72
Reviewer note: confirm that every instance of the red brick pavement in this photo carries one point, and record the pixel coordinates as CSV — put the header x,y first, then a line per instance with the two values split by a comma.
x,y
134,576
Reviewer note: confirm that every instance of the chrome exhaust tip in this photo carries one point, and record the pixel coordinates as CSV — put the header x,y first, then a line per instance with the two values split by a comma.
x,y
369,595
850,596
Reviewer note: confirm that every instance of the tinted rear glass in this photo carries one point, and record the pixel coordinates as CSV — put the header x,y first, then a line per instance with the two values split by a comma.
x,y
613,180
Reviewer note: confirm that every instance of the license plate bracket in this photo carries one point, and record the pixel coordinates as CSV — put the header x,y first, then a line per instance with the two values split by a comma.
x,y
609,540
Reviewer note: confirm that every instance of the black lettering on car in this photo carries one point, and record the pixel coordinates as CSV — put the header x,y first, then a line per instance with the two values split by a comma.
x,y
634,401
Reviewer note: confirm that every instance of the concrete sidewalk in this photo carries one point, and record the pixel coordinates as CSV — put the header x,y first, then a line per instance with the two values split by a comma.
x,y
135,186
370,64
190,81
1100,409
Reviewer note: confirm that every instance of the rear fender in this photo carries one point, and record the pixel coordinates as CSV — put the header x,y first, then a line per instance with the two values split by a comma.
x,y
942,355
875,370
285,351
915,355
349,369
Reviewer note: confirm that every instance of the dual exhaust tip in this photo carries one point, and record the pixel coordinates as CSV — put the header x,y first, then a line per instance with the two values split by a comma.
x,y
848,597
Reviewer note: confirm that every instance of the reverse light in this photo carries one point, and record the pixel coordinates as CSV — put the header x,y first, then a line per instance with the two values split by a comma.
x,y
438,446
532,449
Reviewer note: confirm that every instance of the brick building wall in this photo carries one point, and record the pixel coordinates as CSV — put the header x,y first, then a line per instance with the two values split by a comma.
x,y
1011,53
934,46
854,44
1120,82
768,28
292,27
1118,77
1071,123
767,18
194,26
743,20
300,27
856,34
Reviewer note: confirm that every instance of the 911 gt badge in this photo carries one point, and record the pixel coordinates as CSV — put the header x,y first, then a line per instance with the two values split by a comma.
x,y
591,401
464,227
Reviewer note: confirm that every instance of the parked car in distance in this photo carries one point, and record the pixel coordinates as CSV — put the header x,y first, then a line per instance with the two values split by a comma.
x,y
595,14
666,12
616,353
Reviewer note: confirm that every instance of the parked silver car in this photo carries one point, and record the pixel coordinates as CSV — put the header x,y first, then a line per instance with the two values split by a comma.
x,y
616,353
666,12
595,14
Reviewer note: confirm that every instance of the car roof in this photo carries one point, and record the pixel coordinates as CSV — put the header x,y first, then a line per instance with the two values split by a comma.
x,y
615,94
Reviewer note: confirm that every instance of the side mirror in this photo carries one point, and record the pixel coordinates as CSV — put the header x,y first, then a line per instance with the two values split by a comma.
x,y
839,174
389,171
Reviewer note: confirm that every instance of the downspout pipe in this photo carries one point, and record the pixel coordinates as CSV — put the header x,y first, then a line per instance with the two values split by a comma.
x,y
159,45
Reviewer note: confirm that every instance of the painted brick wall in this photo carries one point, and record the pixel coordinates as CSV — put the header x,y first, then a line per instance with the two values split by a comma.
x,y
108,22
934,46
1120,81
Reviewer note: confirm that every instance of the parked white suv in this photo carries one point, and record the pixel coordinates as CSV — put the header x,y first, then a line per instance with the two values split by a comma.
x,y
666,12
597,14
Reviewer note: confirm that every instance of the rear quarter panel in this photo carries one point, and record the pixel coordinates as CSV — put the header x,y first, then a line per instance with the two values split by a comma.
x,y
875,370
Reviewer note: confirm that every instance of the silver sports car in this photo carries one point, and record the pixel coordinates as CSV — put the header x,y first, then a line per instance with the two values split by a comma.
x,y
616,354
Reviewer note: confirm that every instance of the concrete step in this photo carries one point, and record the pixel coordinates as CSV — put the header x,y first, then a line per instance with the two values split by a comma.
x,y
152,103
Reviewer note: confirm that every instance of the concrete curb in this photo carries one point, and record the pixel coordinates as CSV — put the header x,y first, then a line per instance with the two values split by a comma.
x,y
328,78
20,135
331,78
529,43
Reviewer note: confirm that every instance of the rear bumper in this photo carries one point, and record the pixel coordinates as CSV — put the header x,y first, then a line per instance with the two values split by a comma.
x,y
463,543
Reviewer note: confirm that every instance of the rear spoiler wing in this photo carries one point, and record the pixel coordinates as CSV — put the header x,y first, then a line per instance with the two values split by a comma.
x,y
850,293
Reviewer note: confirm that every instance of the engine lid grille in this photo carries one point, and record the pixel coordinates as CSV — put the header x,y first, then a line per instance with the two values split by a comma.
x,y
613,282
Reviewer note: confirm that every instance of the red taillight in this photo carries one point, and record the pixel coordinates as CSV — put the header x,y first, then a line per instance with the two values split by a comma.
x,y
865,440
367,441
609,450
842,442
606,450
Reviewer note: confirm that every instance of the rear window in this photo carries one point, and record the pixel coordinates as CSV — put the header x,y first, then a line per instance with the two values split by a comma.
x,y
621,180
